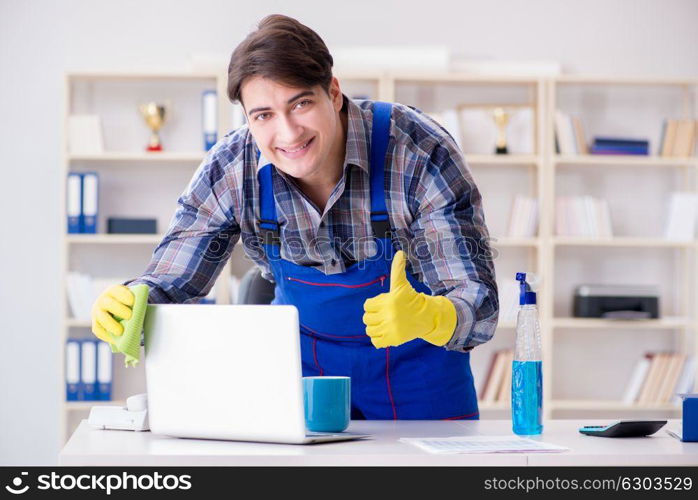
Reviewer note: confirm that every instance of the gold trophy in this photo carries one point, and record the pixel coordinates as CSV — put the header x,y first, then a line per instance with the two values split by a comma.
x,y
501,119
154,115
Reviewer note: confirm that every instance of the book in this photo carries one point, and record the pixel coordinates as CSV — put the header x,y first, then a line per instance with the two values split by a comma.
x,y
686,379
488,376
74,203
495,380
637,379
658,370
85,135
88,369
662,138
504,394
604,216
685,138
620,141
580,139
643,398
617,152
610,145
90,202
682,213
564,132
78,287
583,216
561,222
666,389
523,220
72,371
669,138
104,371
209,118
508,301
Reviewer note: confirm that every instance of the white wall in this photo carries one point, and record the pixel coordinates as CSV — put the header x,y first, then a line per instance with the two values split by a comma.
x,y
41,39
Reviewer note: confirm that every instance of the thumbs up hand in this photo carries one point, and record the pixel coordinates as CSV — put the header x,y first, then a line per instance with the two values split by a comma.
x,y
403,314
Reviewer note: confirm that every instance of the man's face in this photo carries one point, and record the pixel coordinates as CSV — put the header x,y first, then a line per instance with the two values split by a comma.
x,y
297,129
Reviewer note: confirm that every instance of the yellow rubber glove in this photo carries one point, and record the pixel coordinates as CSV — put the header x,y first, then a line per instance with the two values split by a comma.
x,y
403,314
114,301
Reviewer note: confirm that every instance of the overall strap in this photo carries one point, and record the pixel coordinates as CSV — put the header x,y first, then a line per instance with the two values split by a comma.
x,y
268,224
380,136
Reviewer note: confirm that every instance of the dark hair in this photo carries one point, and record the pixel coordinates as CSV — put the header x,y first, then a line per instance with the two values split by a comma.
x,y
283,50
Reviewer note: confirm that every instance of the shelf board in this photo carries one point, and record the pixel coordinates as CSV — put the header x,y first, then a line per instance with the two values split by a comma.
x,y
78,323
513,242
642,324
494,405
522,160
461,78
114,239
620,241
507,324
616,80
601,404
359,75
140,157
624,160
135,76
86,405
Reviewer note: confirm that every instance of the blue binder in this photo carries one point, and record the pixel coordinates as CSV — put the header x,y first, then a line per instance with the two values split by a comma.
x,y
74,203
90,202
105,372
88,369
209,118
73,389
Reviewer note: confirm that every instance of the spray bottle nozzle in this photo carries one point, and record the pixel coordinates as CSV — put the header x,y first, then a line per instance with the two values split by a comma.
x,y
526,296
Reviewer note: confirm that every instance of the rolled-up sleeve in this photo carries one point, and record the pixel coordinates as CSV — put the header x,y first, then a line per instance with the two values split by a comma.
x,y
451,247
198,242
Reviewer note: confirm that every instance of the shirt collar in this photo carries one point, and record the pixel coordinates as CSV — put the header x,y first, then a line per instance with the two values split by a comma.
x,y
356,152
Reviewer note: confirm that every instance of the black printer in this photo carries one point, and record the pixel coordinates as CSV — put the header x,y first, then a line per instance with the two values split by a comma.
x,y
616,301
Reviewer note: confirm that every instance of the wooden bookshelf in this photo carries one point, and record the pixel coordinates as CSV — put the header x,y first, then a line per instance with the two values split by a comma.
x,y
621,241
540,253
679,329
601,404
610,324
114,239
162,158
624,161
82,90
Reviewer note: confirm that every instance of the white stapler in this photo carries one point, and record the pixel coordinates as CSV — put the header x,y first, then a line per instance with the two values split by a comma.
x,y
132,417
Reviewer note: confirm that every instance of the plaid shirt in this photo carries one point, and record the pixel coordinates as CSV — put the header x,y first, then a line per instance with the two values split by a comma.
x,y
434,208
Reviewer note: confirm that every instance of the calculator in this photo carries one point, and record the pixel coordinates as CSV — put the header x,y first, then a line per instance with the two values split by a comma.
x,y
624,428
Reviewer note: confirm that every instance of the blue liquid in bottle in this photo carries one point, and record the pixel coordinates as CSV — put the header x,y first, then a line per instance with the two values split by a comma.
x,y
527,397
527,369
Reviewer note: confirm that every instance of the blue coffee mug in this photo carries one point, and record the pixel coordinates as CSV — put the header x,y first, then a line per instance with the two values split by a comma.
x,y
327,402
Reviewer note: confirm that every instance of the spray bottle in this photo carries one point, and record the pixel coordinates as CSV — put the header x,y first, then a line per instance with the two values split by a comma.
x,y
527,371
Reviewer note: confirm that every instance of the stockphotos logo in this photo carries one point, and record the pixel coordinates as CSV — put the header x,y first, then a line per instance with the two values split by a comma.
x,y
16,487
107,483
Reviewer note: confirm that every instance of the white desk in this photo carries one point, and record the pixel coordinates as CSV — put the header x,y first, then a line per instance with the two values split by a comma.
x,y
89,446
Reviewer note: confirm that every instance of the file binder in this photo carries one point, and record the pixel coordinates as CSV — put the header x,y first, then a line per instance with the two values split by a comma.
x,y
74,203
90,201
72,371
104,370
209,115
88,369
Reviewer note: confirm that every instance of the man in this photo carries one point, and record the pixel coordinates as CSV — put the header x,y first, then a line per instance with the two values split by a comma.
x,y
334,200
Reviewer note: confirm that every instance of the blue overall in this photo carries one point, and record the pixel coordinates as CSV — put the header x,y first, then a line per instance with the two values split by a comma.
x,y
416,380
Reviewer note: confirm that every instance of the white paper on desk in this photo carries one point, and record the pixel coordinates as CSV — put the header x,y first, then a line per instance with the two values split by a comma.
x,y
482,444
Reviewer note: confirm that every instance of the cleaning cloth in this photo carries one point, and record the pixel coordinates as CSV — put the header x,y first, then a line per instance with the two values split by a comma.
x,y
129,342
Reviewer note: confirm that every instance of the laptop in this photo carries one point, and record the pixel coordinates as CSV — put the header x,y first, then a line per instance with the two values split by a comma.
x,y
227,372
